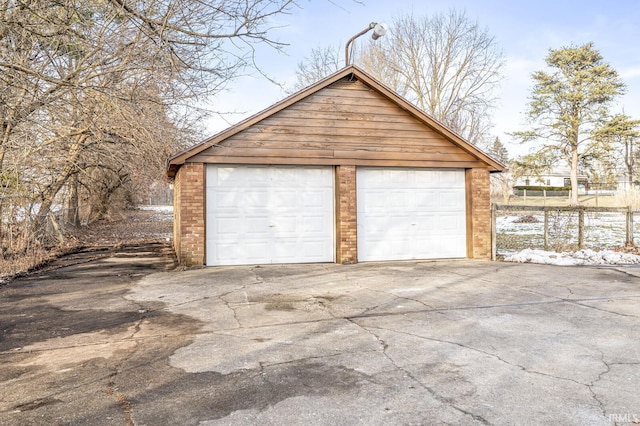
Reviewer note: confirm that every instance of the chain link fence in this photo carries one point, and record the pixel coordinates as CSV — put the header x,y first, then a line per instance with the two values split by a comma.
x,y
559,229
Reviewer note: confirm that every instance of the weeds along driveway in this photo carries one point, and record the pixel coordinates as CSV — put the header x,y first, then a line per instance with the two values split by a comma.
x,y
459,342
451,342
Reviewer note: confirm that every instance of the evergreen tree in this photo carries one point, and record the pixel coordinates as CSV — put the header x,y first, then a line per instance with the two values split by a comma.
x,y
498,151
569,103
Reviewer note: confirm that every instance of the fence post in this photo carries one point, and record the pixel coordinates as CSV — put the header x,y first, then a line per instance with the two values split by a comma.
x,y
580,228
494,247
546,230
629,234
632,237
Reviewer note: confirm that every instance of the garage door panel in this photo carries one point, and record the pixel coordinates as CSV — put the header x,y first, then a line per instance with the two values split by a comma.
x,y
283,225
425,199
410,213
426,224
250,225
450,201
451,226
448,179
375,200
313,249
269,214
398,200
313,199
226,225
314,225
280,200
229,252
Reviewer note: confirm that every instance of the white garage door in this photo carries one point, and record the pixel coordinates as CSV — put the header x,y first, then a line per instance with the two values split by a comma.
x,y
269,214
410,214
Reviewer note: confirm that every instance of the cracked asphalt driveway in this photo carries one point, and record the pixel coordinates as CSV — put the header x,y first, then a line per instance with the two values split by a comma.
x,y
447,342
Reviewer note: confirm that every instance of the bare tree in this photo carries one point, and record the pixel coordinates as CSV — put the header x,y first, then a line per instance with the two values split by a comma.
x,y
320,63
445,64
89,89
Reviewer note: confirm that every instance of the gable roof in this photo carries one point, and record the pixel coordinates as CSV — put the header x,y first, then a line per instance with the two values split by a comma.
x,y
175,161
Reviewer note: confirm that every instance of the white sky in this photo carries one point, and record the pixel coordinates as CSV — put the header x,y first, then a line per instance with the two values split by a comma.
x,y
524,30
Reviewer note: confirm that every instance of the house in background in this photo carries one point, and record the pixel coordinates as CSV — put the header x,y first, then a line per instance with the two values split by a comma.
x,y
558,177
342,171
622,180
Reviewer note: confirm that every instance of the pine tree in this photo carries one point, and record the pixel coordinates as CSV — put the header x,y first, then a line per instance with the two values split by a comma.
x,y
568,105
499,151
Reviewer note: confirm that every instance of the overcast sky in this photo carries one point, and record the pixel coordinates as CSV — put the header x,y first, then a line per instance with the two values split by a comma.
x,y
524,30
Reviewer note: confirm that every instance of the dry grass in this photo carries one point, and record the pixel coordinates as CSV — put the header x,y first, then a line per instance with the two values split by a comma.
x,y
629,198
21,264
129,227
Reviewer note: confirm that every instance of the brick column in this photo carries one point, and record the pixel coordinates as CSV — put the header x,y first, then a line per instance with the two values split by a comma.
x,y
478,214
189,211
177,235
346,232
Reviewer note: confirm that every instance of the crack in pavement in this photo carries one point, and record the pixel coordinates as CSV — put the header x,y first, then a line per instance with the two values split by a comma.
x,y
89,344
424,386
590,386
123,402
587,299
228,304
395,296
281,342
489,354
444,309
625,271
604,310
317,357
235,313
256,276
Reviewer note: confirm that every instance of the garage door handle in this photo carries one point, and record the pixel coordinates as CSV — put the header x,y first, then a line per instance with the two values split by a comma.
x,y
272,226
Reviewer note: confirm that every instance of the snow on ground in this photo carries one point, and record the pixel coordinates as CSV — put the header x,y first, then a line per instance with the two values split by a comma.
x,y
162,212
581,257
163,209
602,230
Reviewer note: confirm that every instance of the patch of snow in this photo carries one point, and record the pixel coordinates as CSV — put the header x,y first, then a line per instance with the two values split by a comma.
x,y
602,230
580,257
162,209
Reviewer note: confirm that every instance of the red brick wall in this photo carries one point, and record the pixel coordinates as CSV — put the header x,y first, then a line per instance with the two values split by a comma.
x,y
189,212
478,214
177,217
346,232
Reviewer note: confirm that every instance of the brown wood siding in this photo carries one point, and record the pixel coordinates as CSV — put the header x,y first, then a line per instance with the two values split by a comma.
x,y
344,123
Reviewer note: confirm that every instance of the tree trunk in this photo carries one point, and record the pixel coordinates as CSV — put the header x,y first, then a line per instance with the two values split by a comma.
x,y
73,212
49,194
573,199
6,130
629,160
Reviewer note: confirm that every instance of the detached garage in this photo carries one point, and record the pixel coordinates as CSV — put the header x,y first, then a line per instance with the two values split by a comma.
x,y
343,171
